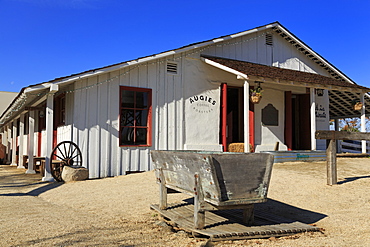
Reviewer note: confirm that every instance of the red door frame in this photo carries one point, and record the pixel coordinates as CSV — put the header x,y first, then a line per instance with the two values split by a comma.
x,y
251,126
224,119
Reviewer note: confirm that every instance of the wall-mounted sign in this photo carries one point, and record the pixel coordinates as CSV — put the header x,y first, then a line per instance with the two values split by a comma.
x,y
202,103
320,92
270,116
320,111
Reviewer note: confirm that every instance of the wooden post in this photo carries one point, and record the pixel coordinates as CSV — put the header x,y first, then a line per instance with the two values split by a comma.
x,y
246,116
224,115
21,142
9,145
49,131
14,144
199,213
331,163
331,151
313,117
162,190
248,214
31,140
363,123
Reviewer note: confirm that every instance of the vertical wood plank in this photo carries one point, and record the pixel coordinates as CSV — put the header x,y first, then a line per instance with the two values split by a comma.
x,y
331,163
162,190
248,214
199,213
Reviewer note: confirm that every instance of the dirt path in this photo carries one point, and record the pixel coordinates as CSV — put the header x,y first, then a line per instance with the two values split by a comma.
x,y
115,211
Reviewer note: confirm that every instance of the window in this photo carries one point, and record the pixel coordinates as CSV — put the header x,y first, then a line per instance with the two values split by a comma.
x,y
135,116
60,110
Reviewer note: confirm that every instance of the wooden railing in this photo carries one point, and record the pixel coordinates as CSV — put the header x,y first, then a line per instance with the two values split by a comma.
x,y
349,146
331,151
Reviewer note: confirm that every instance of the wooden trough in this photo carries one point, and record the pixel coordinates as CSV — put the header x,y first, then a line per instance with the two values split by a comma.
x,y
216,180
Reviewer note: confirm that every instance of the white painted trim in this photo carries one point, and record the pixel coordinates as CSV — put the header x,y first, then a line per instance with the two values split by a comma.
x,y
14,143
49,133
363,122
31,141
225,68
246,116
21,142
315,54
313,118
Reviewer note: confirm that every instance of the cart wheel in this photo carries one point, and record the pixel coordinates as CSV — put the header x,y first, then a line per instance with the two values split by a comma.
x,y
65,153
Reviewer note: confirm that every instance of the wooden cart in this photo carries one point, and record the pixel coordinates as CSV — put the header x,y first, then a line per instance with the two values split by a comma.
x,y
216,180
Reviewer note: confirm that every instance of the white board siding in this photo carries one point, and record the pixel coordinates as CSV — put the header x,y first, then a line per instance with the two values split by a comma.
x,y
96,109
43,142
253,48
64,133
96,123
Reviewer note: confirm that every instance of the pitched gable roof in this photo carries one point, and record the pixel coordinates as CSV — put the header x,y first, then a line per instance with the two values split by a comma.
x,y
275,26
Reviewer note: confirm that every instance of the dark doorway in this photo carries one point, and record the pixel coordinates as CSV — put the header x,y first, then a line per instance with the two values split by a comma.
x,y
235,132
301,122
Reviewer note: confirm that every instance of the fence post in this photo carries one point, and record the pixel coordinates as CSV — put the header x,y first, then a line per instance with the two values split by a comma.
x,y
331,163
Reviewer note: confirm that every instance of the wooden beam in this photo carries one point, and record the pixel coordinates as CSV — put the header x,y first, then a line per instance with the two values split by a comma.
x,y
342,135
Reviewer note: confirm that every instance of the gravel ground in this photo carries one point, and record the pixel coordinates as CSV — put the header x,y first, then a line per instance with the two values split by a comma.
x,y
115,211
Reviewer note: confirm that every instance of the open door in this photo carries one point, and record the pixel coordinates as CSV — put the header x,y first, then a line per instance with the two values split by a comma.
x,y
232,117
301,130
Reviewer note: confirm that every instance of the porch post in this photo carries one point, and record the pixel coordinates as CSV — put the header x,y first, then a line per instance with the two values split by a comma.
x,y
14,144
337,142
9,146
49,131
313,118
31,141
5,141
21,142
223,115
246,116
363,122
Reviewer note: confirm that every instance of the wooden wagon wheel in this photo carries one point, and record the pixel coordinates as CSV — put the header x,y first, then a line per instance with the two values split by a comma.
x,y
65,153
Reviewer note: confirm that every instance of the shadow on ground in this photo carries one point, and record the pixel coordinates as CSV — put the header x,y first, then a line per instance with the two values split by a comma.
x,y
272,212
351,179
37,191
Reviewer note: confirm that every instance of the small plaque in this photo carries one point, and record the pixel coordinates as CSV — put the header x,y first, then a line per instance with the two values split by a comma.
x,y
270,116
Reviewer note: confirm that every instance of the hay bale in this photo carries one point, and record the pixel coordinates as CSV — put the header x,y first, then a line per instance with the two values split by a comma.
x,y
236,147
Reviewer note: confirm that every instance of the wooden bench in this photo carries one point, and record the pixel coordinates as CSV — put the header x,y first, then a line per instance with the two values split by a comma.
x,y
37,162
217,180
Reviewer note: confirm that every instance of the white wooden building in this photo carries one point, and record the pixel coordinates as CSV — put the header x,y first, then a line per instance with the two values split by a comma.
x,y
192,98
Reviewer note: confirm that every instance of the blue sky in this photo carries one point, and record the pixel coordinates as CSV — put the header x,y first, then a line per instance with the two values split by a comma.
x,y
44,39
